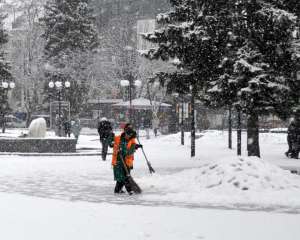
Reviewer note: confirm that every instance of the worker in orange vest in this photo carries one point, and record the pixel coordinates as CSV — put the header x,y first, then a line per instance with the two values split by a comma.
x,y
124,147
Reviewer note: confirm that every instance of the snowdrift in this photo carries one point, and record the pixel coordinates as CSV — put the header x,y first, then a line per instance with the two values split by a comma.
x,y
246,174
240,174
232,182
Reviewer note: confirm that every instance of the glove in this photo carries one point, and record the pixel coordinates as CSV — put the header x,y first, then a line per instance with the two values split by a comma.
x,y
137,146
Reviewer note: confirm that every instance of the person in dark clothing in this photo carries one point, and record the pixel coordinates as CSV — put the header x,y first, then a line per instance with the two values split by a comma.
x,y
124,147
76,128
293,139
106,136
67,128
290,131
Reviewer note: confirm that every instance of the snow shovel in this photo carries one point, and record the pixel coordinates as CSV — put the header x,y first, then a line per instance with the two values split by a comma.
x,y
151,169
134,186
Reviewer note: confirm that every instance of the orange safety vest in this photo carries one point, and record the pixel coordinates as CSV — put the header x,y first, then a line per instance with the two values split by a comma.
x,y
129,158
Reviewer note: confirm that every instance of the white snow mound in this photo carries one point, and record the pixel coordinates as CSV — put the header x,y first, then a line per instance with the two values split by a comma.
x,y
231,175
246,174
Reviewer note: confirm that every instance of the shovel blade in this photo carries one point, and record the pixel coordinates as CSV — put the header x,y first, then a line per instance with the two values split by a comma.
x,y
134,186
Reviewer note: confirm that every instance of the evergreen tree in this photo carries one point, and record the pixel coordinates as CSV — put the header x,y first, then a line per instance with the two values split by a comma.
x,y
261,64
71,38
292,6
238,52
190,36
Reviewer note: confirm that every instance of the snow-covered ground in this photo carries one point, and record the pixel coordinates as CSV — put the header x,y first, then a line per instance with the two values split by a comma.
x,y
27,218
205,197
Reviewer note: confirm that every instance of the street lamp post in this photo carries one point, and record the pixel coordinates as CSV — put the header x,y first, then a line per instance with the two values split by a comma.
x,y
129,84
58,85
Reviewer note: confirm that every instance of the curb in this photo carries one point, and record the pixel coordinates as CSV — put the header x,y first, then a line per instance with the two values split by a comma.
x,y
51,154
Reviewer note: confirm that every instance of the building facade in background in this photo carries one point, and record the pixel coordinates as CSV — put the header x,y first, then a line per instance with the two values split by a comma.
x,y
107,10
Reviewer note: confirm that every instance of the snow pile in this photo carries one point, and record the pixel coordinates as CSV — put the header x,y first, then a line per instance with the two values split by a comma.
x,y
232,182
241,174
246,174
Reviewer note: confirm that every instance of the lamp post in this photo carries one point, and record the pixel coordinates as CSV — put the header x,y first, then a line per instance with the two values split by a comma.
x,y
58,85
5,86
130,84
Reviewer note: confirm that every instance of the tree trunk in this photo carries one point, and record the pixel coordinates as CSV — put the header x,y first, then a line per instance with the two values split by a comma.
x,y
193,130
28,117
3,125
229,129
253,135
239,133
181,122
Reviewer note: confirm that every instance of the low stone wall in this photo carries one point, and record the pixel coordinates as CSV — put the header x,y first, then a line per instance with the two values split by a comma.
x,y
39,145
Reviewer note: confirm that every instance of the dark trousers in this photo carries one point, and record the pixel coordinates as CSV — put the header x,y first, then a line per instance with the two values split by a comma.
x,y
68,133
293,151
104,148
121,184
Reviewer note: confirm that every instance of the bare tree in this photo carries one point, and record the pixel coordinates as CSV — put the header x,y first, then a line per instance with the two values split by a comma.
x,y
26,50
117,56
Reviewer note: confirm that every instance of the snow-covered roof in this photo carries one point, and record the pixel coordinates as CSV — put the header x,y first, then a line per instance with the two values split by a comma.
x,y
104,100
141,103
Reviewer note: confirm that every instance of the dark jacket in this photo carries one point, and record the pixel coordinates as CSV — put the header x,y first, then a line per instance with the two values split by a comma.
x,y
294,134
104,129
67,126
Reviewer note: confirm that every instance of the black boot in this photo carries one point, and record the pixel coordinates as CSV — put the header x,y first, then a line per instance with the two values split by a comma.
x,y
118,187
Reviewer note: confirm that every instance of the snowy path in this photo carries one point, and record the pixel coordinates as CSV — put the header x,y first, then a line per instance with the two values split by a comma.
x,y
84,179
